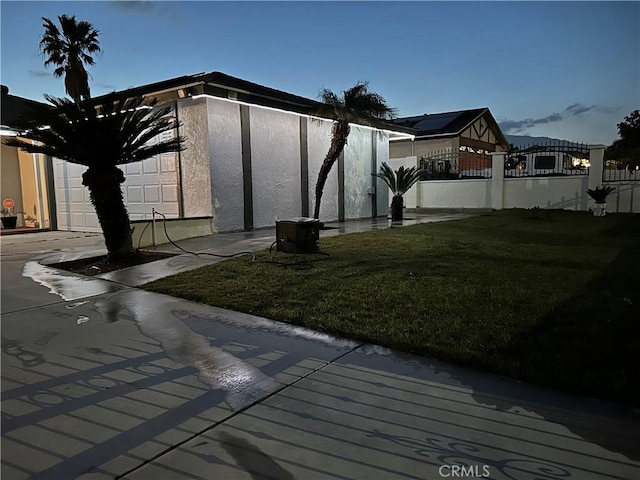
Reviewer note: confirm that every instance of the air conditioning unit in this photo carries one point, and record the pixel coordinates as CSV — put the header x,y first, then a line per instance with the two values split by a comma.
x,y
298,235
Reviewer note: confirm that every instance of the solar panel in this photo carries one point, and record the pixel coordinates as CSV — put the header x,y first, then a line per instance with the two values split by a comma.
x,y
436,121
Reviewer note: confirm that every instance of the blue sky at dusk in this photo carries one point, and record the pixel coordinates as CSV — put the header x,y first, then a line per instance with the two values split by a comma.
x,y
563,70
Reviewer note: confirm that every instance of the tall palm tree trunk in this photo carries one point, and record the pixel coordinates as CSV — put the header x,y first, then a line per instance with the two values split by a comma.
x,y
340,132
76,82
106,196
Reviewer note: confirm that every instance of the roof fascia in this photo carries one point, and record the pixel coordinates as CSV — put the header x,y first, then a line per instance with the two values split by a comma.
x,y
438,135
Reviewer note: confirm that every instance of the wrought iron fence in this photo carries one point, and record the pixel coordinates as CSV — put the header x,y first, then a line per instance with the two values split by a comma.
x,y
550,159
617,171
448,165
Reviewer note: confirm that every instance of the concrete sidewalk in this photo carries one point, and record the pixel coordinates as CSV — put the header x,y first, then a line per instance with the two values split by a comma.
x,y
102,380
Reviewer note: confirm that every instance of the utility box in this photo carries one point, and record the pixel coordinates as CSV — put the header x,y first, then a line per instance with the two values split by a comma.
x,y
298,235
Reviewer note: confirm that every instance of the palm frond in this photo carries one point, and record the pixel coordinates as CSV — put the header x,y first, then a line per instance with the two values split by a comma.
x,y
356,105
599,194
69,48
387,174
400,181
116,133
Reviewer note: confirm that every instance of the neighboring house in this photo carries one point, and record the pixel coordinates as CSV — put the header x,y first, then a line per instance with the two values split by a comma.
x,y
467,163
26,178
562,159
252,156
451,144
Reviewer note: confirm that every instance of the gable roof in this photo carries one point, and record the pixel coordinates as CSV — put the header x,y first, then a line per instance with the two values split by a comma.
x,y
220,85
13,107
446,123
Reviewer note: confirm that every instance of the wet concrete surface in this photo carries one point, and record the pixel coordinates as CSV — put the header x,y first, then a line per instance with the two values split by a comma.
x,y
101,380
102,384
376,414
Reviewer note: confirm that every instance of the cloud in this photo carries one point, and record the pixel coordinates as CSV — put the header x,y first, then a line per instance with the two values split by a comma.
x,y
577,109
573,110
512,126
133,6
146,7
39,73
106,86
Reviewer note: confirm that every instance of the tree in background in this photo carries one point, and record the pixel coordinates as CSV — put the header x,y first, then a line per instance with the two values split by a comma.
x,y
626,150
357,105
114,133
69,48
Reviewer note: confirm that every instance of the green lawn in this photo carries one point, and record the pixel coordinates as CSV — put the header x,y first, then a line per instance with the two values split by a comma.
x,y
550,297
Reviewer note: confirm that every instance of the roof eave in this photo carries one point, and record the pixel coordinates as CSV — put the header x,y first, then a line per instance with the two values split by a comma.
x,y
438,135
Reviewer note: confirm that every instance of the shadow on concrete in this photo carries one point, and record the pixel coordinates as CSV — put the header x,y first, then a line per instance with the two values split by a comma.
x,y
253,460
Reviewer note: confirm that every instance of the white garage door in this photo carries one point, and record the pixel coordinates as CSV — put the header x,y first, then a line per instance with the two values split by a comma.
x,y
149,184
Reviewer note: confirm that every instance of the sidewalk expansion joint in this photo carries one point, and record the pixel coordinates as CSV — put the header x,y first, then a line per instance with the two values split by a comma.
x,y
238,412
36,307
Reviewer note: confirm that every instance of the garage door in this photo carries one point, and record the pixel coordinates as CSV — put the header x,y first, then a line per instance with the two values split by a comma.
x,y
152,183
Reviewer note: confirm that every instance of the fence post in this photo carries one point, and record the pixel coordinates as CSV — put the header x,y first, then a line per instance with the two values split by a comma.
x,y
596,165
497,179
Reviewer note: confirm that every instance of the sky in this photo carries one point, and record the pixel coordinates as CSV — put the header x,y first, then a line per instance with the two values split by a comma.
x,y
567,70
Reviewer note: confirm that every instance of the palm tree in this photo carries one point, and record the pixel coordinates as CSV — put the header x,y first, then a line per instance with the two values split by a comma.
x,y
115,133
357,105
69,48
399,182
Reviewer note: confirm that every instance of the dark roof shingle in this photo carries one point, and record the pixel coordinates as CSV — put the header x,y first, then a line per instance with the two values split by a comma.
x,y
13,108
447,123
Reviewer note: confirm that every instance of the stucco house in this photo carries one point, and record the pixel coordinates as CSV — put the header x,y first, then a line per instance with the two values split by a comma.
x,y
25,178
465,166
253,155
451,144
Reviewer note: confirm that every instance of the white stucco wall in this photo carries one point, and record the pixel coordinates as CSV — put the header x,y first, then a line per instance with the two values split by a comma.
x,y
357,173
225,144
454,194
275,152
196,181
318,141
434,146
421,147
568,193
625,198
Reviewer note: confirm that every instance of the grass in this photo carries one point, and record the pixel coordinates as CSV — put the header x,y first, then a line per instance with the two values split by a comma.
x,y
548,297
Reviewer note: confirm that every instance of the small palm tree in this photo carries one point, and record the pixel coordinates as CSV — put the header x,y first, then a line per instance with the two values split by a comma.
x,y
399,182
599,194
357,105
115,133
69,49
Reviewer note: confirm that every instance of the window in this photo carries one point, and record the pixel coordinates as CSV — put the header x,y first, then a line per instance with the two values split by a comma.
x,y
544,162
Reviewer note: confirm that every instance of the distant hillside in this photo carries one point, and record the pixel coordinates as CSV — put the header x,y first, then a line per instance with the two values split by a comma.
x,y
526,141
